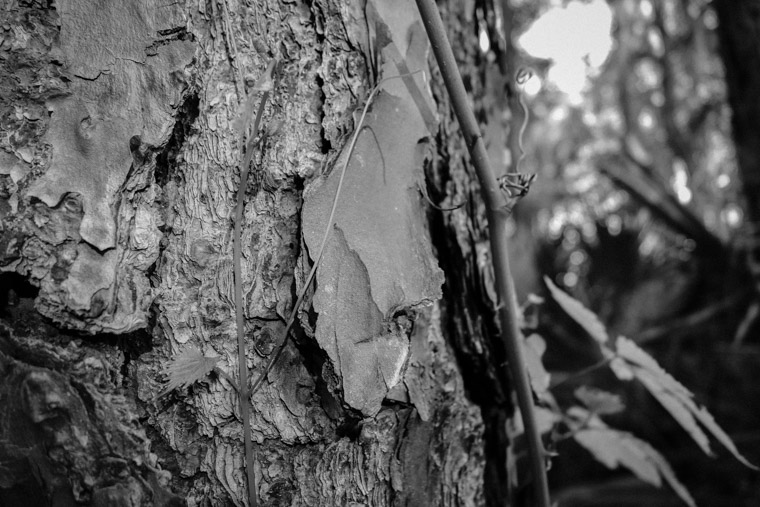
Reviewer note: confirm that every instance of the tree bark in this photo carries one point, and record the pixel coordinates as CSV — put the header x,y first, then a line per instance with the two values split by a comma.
x,y
119,166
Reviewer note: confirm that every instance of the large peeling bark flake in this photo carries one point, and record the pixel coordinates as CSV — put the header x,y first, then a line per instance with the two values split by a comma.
x,y
379,259
80,94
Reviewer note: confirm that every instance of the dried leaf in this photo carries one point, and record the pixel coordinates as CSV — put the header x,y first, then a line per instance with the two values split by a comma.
x,y
187,368
614,448
376,261
598,401
676,399
579,313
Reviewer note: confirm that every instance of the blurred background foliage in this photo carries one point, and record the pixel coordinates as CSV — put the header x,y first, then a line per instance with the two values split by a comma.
x,y
638,211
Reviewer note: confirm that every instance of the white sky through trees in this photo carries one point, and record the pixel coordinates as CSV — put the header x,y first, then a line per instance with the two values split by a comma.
x,y
576,38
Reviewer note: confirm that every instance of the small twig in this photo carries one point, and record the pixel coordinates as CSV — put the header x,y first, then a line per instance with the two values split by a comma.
x,y
325,237
239,313
584,371
753,312
426,195
497,226
691,321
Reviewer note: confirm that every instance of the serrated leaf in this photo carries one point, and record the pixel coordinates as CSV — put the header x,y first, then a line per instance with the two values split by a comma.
x,y
579,313
721,436
614,448
676,399
677,406
670,476
187,368
534,347
598,401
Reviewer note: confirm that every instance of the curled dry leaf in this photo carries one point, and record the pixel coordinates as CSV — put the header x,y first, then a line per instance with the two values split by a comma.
x,y
187,368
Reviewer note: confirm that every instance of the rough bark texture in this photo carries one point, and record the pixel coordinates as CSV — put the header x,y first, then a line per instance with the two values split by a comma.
x,y
461,238
119,162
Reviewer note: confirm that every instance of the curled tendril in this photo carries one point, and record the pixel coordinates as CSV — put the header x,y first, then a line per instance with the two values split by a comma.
x,y
523,75
516,184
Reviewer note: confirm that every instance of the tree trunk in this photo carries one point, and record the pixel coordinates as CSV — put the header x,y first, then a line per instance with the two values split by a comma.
x,y
739,32
119,167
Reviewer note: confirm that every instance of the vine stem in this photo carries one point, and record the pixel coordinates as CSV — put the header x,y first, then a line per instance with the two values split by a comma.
x,y
497,214
243,392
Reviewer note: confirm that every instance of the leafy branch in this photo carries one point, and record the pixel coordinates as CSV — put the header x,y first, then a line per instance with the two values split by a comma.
x,y
497,213
629,362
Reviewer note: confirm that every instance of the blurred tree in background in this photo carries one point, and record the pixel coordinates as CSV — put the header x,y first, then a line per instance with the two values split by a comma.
x,y
645,209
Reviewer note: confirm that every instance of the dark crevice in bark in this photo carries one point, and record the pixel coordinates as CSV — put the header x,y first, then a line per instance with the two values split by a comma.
x,y
38,4
314,358
317,18
178,483
495,441
166,170
133,346
325,144
166,161
13,288
466,321
350,428
315,361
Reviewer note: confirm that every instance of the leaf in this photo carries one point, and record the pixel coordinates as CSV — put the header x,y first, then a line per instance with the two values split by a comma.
x,y
579,313
619,367
676,399
533,348
598,401
546,419
187,368
676,405
614,448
